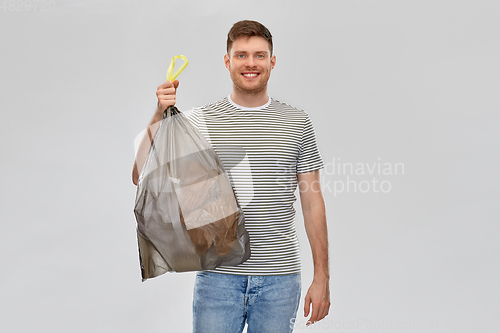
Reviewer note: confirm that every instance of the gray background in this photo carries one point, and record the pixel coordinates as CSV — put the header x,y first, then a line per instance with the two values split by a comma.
x,y
411,82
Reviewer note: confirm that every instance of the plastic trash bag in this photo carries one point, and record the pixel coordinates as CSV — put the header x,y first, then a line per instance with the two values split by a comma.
x,y
188,216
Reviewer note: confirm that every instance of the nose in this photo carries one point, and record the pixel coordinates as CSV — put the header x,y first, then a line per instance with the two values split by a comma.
x,y
250,62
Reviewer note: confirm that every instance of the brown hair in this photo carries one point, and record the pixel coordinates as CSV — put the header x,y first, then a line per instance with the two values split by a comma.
x,y
248,29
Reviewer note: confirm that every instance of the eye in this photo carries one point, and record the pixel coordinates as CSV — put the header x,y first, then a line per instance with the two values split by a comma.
x,y
260,56
241,56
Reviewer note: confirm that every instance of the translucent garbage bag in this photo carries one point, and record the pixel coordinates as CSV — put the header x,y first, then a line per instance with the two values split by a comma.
x,y
188,216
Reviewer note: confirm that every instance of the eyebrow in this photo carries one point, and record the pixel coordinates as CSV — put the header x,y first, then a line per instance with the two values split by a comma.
x,y
245,52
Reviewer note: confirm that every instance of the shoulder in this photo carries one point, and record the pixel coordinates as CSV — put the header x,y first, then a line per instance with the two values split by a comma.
x,y
221,104
289,110
201,111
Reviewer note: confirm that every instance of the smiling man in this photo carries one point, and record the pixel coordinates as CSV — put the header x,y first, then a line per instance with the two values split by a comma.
x,y
249,61
279,145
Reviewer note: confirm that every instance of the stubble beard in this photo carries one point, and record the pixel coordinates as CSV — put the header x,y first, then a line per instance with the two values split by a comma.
x,y
253,91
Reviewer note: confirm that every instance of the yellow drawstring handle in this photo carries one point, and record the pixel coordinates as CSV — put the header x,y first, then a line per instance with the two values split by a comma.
x,y
171,77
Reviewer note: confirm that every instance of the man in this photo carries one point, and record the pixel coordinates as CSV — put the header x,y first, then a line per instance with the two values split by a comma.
x,y
268,148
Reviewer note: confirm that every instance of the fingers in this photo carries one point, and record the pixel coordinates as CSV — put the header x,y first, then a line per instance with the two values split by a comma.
x,y
164,101
307,305
165,94
319,311
325,312
169,84
314,315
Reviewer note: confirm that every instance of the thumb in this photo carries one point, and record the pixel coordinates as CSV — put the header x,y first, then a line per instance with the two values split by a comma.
x,y
307,305
176,84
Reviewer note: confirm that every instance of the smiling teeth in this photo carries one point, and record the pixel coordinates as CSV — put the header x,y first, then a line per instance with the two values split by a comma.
x,y
250,75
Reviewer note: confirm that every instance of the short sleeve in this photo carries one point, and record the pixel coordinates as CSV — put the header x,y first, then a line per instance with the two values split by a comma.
x,y
193,116
309,158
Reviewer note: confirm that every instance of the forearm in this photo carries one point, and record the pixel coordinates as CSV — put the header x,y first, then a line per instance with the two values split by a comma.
x,y
317,233
165,94
144,146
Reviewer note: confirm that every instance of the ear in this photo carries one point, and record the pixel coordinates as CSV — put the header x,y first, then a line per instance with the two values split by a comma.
x,y
227,62
273,61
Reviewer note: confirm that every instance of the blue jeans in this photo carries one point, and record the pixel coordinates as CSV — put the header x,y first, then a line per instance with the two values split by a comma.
x,y
223,302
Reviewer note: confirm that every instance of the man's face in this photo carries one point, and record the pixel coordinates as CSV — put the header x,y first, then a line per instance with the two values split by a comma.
x,y
250,63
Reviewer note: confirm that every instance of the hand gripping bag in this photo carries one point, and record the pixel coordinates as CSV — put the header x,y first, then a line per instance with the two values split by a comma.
x,y
188,216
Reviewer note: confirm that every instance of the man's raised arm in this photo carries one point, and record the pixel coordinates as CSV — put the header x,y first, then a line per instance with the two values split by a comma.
x,y
166,97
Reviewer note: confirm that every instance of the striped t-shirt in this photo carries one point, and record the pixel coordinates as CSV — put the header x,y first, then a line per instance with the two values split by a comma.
x,y
263,149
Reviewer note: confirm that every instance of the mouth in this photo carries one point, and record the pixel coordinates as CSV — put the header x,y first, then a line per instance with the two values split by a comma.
x,y
250,75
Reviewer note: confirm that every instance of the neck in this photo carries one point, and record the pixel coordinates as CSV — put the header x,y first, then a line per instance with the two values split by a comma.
x,y
249,99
